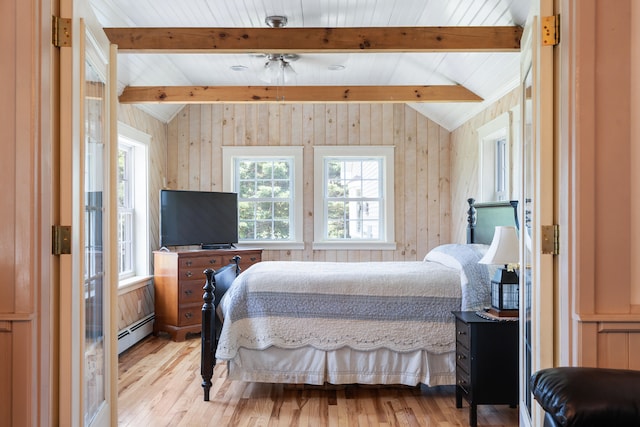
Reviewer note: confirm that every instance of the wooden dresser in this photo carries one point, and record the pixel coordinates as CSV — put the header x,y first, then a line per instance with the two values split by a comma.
x,y
178,281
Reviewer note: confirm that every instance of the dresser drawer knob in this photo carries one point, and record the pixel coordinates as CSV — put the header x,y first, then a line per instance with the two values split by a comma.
x,y
213,261
189,263
253,258
462,333
188,315
188,274
461,357
188,292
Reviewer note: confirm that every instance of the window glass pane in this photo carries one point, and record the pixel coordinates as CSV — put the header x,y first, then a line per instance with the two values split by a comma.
x,y
353,198
371,189
370,170
263,210
281,210
263,170
246,230
263,230
246,190
265,191
281,170
246,170
246,210
281,189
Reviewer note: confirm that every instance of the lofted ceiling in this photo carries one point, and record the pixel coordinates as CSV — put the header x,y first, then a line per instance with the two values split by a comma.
x,y
340,50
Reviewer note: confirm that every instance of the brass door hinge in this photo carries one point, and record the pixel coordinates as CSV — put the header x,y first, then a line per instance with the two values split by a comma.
x,y
550,239
61,240
61,31
550,30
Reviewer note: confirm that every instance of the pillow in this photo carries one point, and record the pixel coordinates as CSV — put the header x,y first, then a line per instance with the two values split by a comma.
x,y
475,279
454,255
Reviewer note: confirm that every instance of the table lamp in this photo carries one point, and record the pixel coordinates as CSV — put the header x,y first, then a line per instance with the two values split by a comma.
x,y
505,282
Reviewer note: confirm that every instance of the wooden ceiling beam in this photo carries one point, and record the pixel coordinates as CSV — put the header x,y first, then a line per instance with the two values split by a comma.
x,y
294,94
316,40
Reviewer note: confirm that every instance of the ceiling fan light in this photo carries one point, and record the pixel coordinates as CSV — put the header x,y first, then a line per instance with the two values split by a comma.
x,y
270,72
276,70
287,71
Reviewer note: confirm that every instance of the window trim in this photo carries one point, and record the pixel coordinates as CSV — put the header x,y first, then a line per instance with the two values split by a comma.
x,y
386,153
488,135
140,142
265,152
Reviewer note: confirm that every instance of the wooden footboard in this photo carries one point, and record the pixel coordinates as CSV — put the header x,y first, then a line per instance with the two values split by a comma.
x,y
217,283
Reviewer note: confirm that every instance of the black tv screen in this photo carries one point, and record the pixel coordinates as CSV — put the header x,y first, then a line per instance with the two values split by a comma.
x,y
205,218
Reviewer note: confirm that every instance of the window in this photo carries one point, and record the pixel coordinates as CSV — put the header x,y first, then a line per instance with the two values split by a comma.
x,y
268,181
495,169
132,195
126,256
353,203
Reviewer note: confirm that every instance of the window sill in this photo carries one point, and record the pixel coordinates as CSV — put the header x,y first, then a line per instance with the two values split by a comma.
x,y
386,246
271,245
133,283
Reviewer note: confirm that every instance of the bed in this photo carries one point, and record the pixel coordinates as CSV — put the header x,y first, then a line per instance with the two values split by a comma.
x,y
345,323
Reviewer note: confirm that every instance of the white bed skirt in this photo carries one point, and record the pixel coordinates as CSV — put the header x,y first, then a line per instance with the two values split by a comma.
x,y
343,366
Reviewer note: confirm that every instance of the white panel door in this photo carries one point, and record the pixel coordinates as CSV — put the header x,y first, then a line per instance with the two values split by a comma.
x,y
87,351
536,208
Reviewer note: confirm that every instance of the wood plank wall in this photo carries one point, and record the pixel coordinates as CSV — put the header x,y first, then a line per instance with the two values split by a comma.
x,y
422,158
465,159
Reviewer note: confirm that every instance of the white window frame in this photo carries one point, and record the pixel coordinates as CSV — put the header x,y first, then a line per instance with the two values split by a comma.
x,y
491,136
295,153
139,142
387,232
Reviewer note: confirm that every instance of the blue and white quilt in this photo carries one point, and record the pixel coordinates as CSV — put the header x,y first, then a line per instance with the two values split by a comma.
x,y
401,306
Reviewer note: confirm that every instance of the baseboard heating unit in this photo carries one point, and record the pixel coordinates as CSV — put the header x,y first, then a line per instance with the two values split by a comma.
x,y
135,332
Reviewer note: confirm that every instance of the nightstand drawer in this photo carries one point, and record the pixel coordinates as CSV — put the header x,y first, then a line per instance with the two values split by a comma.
x,y
462,360
463,380
463,333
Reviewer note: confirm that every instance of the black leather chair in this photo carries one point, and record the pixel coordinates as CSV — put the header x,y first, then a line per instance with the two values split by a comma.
x,y
578,396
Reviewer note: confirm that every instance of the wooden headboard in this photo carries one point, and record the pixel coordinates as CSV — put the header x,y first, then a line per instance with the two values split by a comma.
x,y
483,218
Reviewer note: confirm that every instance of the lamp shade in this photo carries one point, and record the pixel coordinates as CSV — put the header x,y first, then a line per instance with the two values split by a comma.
x,y
504,247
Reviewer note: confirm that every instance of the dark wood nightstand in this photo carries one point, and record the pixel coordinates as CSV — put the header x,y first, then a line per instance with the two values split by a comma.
x,y
486,362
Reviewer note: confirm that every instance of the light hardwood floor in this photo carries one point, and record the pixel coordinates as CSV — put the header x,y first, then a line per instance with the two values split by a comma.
x,y
159,385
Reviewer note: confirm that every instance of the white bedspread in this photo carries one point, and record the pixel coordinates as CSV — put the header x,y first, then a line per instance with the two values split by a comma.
x,y
401,306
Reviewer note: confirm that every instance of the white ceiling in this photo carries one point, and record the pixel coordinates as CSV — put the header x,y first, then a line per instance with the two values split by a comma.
x,y
489,75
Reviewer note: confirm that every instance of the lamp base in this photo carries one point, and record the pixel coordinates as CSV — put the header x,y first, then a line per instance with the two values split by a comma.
x,y
503,313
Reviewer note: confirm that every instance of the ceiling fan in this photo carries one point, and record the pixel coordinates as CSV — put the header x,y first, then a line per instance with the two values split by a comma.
x,y
277,68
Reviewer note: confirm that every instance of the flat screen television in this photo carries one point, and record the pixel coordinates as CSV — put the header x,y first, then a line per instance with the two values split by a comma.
x,y
205,218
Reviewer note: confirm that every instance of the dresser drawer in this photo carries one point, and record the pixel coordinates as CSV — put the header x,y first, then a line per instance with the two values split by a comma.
x,y
190,315
201,263
190,291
